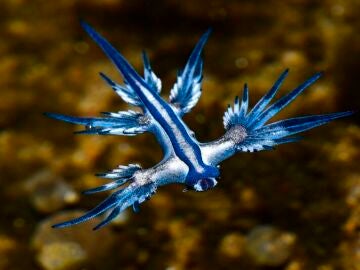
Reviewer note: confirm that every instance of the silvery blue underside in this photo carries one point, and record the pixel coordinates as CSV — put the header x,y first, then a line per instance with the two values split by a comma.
x,y
186,160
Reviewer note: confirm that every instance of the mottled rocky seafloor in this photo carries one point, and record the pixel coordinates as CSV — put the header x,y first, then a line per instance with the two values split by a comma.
x,y
294,208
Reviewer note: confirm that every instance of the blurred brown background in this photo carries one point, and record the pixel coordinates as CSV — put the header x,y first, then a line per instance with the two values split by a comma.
x,y
294,208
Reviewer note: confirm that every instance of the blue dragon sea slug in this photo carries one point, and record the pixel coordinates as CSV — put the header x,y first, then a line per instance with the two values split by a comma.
x,y
186,160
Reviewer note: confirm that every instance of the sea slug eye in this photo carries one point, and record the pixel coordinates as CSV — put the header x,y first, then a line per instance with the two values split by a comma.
x,y
205,184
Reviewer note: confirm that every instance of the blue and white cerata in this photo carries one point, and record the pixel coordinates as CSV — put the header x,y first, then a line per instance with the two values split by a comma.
x,y
186,160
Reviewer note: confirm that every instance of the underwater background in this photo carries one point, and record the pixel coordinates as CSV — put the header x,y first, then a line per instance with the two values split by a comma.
x,y
294,208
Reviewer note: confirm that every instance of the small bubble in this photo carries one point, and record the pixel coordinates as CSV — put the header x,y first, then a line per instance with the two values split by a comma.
x,y
71,197
81,47
232,245
269,246
241,62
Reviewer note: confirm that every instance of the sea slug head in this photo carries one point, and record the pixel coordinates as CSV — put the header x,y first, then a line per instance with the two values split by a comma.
x,y
205,180
205,184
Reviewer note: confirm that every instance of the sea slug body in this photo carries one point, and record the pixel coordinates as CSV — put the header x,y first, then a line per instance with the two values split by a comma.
x,y
186,160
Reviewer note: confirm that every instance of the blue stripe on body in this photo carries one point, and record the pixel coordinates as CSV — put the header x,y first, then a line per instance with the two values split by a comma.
x,y
185,147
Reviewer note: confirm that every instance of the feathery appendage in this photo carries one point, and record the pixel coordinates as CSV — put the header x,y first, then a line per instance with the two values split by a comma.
x,y
120,176
128,123
126,92
187,89
261,137
132,195
150,77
